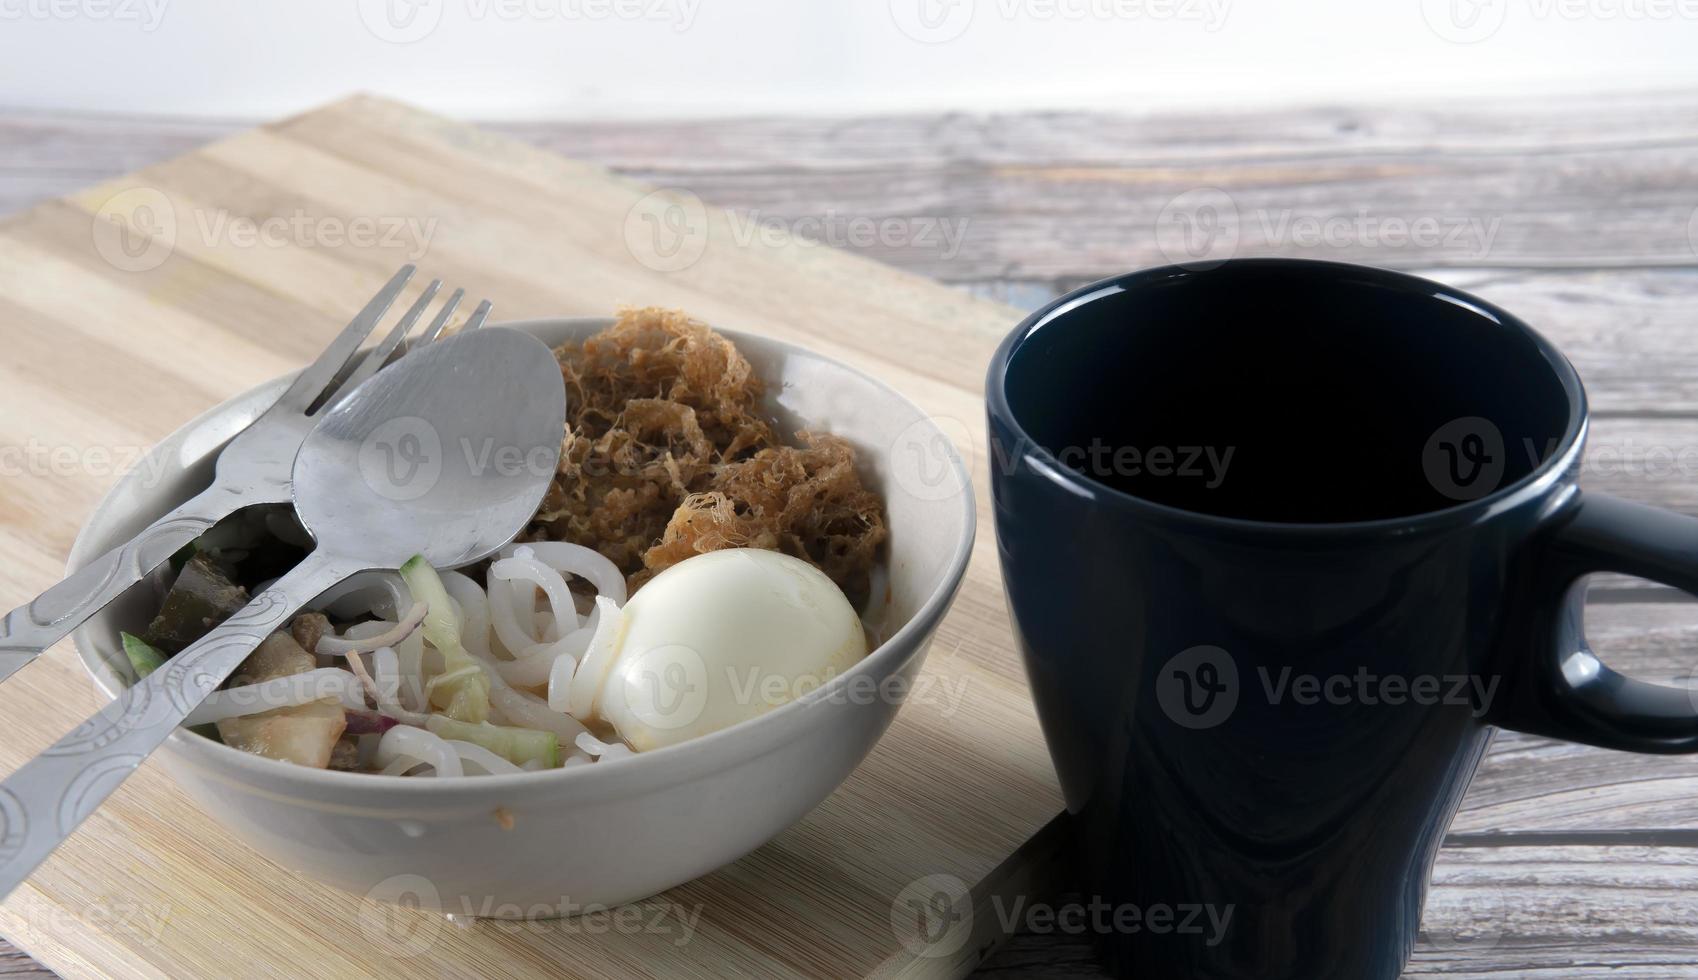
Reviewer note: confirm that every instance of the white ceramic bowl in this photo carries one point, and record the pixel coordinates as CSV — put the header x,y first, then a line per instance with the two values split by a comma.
x,y
604,834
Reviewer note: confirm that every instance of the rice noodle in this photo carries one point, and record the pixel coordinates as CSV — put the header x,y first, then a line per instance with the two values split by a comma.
x,y
560,681
525,710
590,744
380,593
319,684
586,563
597,660
513,623
517,643
472,610
392,637
601,751
384,683
534,668
386,672
408,742
522,567
410,656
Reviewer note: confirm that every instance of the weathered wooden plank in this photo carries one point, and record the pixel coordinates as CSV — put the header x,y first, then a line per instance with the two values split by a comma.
x,y
1484,125
14,963
1059,197
801,143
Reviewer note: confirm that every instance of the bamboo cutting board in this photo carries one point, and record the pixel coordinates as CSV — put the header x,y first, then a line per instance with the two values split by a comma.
x,y
128,308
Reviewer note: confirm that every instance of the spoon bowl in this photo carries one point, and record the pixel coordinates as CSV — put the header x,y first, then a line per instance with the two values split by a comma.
x,y
389,473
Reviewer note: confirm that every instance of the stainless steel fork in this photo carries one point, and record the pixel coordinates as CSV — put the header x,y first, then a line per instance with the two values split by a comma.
x,y
254,468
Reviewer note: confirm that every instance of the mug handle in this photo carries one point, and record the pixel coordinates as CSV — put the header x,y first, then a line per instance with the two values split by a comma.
x,y
1571,694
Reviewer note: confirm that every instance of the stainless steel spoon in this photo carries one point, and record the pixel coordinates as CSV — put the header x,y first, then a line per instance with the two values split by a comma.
x,y
446,455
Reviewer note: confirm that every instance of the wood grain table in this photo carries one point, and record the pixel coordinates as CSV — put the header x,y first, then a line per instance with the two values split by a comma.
x,y
1578,214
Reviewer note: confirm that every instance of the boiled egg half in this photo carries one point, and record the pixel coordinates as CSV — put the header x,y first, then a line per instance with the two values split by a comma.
x,y
714,640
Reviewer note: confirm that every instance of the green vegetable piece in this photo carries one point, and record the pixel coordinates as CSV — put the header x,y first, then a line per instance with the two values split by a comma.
x,y
144,659
461,691
202,597
517,745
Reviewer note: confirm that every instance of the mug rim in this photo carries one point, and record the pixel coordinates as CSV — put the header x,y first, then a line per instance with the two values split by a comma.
x,y
1543,478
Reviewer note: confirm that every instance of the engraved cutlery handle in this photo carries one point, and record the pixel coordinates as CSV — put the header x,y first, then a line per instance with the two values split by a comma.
x,y
45,799
31,628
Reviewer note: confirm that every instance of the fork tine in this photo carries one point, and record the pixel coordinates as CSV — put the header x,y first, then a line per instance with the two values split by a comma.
x,y
441,320
318,374
478,316
379,355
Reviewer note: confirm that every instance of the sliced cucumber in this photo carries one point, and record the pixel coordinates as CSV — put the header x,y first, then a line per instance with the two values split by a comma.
x,y
517,745
461,691
144,658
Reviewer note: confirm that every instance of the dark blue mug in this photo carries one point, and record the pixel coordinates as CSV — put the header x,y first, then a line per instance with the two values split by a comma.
x,y
1284,542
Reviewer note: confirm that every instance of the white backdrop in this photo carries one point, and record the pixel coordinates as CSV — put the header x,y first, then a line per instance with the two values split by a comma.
x,y
518,58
